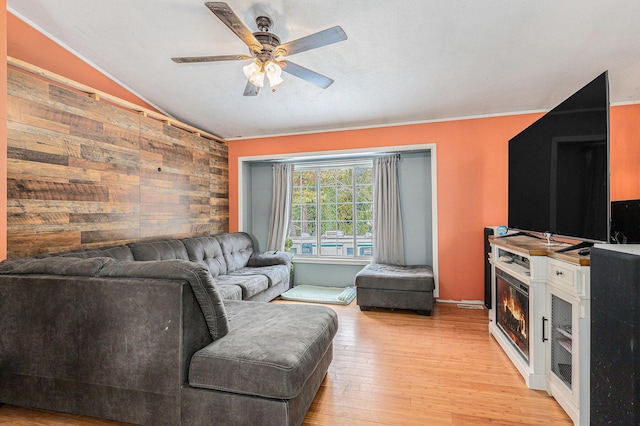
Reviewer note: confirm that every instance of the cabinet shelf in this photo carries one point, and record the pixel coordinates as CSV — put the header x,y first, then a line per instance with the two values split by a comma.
x,y
515,269
563,372
565,330
566,344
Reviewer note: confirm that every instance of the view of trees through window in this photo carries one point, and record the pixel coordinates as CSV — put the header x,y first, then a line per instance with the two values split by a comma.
x,y
332,210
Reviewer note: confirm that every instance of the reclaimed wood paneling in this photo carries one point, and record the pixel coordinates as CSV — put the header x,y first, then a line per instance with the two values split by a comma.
x,y
85,173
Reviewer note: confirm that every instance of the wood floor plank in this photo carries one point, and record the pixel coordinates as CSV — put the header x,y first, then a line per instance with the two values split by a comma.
x,y
400,368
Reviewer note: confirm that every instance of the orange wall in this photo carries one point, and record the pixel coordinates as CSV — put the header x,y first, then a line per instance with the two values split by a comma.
x,y
625,152
472,179
3,130
29,45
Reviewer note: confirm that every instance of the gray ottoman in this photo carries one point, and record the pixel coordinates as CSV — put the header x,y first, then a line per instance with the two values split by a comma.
x,y
395,287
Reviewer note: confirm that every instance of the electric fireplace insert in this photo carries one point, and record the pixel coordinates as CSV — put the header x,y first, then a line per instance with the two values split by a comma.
x,y
512,311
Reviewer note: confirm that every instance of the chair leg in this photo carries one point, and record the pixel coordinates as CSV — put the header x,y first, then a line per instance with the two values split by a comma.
x,y
425,313
365,308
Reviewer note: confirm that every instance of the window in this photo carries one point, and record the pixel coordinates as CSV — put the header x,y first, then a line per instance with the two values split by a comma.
x,y
331,210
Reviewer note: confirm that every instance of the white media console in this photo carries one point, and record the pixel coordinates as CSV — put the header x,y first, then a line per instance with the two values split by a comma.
x,y
540,316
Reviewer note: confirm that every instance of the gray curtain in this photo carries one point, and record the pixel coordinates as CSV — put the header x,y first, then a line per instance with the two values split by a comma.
x,y
388,243
280,206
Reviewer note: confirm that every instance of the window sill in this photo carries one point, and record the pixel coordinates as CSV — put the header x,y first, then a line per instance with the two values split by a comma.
x,y
330,260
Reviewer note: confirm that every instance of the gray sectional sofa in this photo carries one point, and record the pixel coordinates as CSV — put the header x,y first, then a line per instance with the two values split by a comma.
x,y
165,332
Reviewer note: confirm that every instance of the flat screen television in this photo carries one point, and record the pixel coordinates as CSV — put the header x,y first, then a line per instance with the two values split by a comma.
x,y
559,169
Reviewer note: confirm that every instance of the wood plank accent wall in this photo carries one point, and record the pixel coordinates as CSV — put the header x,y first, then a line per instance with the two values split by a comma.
x,y
86,173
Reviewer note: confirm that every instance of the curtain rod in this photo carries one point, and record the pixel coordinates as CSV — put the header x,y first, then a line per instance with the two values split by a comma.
x,y
331,158
333,163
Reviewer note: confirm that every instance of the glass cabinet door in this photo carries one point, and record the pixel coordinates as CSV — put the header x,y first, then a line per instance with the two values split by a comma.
x,y
561,340
563,344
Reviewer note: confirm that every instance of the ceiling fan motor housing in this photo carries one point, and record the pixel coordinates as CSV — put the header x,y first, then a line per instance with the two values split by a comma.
x,y
268,40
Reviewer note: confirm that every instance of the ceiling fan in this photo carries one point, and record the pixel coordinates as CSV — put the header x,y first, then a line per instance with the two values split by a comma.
x,y
268,52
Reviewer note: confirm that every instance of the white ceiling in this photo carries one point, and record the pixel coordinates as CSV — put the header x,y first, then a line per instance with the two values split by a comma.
x,y
404,61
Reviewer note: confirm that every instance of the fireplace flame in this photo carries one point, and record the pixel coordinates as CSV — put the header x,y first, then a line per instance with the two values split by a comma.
x,y
512,305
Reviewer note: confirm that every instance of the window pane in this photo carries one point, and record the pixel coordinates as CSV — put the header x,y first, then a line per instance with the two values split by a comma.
x,y
308,212
345,228
329,211
328,177
344,211
364,211
307,228
295,211
328,194
294,229
328,227
344,177
307,178
332,247
364,175
365,228
296,197
364,193
345,195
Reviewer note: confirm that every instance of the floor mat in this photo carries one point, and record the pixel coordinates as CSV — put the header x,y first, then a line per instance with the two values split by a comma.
x,y
320,294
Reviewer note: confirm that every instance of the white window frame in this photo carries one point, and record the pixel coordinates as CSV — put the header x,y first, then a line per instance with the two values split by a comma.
x,y
332,164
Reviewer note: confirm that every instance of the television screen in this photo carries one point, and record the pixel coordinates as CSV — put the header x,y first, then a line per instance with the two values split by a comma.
x,y
559,168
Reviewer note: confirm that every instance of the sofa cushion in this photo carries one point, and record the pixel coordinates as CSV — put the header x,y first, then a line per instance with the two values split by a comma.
x,y
9,265
268,351
250,284
269,258
55,266
237,248
274,274
207,252
229,291
198,277
159,250
116,252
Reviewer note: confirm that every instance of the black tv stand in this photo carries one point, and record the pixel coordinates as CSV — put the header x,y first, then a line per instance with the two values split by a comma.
x,y
575,247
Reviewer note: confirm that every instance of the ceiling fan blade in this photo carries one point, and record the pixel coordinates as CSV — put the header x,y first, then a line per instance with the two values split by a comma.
x,y
306,74
231,20
250,89
193,59
319,39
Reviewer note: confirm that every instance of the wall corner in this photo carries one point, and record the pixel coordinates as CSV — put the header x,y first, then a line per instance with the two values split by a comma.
x,y
3,130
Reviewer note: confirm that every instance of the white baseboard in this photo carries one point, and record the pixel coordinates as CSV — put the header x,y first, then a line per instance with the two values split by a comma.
x,y
466,302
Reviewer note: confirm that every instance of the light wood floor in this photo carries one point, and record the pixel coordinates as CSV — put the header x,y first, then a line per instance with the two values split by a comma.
x,y
399,368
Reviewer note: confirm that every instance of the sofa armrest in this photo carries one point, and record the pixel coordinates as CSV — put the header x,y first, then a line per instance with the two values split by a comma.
x,y
198,276
270,258
129,338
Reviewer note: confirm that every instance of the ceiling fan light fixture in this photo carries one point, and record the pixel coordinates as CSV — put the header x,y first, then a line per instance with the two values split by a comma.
x,y
274,73
254,73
